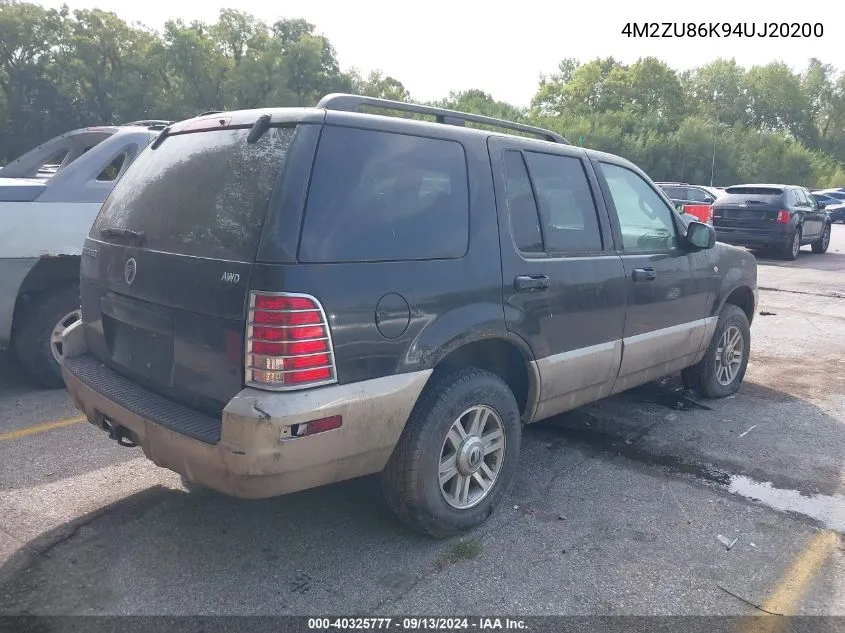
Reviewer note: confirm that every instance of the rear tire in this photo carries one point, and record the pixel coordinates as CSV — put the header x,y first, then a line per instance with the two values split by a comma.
x,y
790,251
434,462
721,377
820,245
36,339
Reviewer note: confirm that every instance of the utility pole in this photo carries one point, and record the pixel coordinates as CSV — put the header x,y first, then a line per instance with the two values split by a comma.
x,y
713,160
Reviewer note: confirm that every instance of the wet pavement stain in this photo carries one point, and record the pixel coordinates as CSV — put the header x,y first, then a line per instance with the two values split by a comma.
x,y
667,393
826,510
628,449
576,428
829,510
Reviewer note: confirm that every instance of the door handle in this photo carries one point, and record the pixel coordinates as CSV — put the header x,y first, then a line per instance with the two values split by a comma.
x,y
645,274
531,283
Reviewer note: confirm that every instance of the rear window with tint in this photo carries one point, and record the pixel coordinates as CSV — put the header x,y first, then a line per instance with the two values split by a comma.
x,y
380,196
752,195
202,194
675,192
755,191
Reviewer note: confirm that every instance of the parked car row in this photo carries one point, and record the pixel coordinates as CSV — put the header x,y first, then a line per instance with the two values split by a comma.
x,y
782,218
834,202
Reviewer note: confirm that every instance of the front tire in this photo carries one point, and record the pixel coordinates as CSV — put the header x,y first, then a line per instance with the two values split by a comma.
x,y
720,373
37,336
820,245
457,454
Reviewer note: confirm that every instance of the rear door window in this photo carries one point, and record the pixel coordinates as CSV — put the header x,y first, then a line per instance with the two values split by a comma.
x,y
675,193
201,194
381,196
803,199
522,208
112,170
567,208
697,195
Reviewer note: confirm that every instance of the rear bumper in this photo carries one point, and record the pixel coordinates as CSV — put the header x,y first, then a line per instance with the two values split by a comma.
x,y
755,237
250,452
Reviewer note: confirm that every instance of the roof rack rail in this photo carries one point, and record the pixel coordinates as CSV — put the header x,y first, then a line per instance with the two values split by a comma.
x,y
207,113
353,103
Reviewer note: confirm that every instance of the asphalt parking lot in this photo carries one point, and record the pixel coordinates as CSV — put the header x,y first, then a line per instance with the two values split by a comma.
x,y
620,507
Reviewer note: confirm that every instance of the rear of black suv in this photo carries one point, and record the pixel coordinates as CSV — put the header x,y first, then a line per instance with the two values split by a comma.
x,y
279,299
208,288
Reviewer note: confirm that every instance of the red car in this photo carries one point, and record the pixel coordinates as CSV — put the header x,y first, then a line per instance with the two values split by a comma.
x,y
692,199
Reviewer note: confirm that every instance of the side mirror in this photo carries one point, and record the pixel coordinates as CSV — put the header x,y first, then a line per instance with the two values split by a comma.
x,y
701,235
822,203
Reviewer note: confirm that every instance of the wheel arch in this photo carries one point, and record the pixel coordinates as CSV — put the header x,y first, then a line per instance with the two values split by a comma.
x,y
742,296
47,273
504,354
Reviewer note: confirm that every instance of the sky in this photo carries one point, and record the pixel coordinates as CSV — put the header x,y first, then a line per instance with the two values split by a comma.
x,y
434,46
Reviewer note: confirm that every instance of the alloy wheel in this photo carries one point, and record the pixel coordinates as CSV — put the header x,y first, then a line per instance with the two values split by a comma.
x,y
56,336
729,354
471,457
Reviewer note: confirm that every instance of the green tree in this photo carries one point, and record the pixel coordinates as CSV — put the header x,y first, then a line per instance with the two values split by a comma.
x,y
376,84
776,100
717,90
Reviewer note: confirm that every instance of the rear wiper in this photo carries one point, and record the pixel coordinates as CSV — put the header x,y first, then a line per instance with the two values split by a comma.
x,y
258,129
127,234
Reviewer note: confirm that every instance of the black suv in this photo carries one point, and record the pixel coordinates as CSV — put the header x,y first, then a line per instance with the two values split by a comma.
x,y
278,299
779,217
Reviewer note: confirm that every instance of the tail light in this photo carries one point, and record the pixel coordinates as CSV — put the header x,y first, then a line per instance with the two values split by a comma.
x,y
288,342
783,217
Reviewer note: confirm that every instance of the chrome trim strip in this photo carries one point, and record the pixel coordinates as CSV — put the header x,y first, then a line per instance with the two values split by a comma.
x,y
576,377
298,340
658,347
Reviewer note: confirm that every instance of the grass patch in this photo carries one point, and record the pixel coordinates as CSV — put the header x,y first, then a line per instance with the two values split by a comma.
x,y
460,551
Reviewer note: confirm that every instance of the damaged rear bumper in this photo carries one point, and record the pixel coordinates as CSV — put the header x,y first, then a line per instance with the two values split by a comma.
x,y
250,451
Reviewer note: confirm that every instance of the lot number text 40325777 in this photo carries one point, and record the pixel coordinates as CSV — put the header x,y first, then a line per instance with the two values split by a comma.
x,y
722,29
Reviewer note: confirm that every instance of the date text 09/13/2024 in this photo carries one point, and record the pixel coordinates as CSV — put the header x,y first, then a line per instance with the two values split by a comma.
x,y
416,624
722,29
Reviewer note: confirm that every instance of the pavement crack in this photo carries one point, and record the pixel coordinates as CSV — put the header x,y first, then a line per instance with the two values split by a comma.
x,y
826,295
748,602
